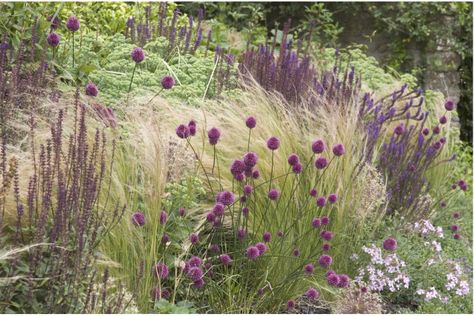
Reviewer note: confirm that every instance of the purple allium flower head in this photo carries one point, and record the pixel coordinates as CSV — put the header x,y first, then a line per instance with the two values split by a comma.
x,y
449,105
237,167
442,204
167,82
138,219
332,278
326,235
137,55
182,131
318,146
461,183
312,293
251,122
437,145
54,22
457,236
260,292
248,189
163,217
436,130
192,123
243,199
316,222
338,150
182,212
330,272
225,259
325,261
454,186
273,143
273,194
250,159
226,198
325,220
195,273
53,39
256,174
454,228
309,268
443,119
165,238
211,217
280,233
343,280
161,270
245,211
214,248
390,244
442,140
332,198
400,129
91,89
248,172
194,238
241,233
326,247
252,252
293,159
213,134
218,209
73,24
296,252
321,163
267,237
198,284
157,293
425,131
261,248
313,192
195,261
456,215
290,304
463,187
297,168
321,201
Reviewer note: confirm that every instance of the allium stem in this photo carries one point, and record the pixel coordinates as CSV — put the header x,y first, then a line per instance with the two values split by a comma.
x,y
248,141
131,80
201,164
271,171
157,94
214,158
73,57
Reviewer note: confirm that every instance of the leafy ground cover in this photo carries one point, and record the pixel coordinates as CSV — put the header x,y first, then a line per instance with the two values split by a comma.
x,y
147,167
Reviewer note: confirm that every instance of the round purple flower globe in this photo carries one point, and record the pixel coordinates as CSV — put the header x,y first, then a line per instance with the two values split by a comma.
x,y
390,244
252,252
442,140
456,215
267,237
199,283
332,198
321,163
325,220
137,55
318,146
293,159
316,222
256,174
241,233
226,198
399,130
182,131
457,236
436,130
326,235
343,280
157,293
425,131
165,238
195,261
261,248
161,270
245,211
167,82
290,304
182,212
248,189
321,201
250,159
437,145
273,143
195,273
296,252
332,279
325,261
211,217
91,89
280,233
297,168
163,217
273,194
454,228
237,167
251,122
243,199
326,247
225,259
443,119
53,39
449,105
194,238
312,294
313,192
214,248
218,209
338,150
73,24
309,268
213,134
138,219
54,22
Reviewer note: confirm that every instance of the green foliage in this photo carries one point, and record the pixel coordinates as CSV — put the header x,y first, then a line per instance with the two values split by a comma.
x,y
164,307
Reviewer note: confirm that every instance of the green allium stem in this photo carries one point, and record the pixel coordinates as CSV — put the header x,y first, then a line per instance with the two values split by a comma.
x,y
131,80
